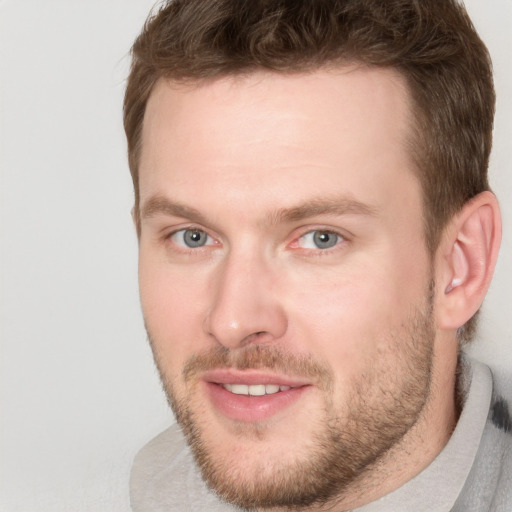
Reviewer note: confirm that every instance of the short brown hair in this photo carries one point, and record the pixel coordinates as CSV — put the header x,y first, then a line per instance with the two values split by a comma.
x,y
432,43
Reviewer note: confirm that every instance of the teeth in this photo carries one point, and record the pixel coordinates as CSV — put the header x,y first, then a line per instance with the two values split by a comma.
x,y
240,389
255,389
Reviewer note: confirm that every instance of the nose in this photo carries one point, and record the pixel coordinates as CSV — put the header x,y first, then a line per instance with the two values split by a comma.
x,y
245,304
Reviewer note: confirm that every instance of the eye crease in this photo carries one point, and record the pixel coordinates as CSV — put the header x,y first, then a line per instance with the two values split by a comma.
x,y
319,240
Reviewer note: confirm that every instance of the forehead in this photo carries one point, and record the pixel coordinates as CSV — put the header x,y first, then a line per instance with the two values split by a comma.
x,y
336,128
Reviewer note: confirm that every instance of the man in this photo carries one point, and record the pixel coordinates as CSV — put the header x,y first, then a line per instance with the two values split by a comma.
x,y
316,236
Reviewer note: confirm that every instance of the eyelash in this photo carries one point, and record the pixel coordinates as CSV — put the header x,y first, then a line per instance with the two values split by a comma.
x,y
341,239
168,238
318,251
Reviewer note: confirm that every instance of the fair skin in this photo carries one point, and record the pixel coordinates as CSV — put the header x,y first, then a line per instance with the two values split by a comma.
x,y
281,221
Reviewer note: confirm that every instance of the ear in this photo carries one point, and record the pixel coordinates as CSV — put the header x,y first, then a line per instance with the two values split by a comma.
x,y
466,260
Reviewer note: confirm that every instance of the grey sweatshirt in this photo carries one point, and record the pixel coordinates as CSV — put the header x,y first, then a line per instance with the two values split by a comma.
x,y
473,473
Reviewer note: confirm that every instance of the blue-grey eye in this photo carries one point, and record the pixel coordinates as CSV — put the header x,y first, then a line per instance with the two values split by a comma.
x,y
319,240
191,238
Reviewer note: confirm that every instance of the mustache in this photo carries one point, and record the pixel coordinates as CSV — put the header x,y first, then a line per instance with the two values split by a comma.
x,y
258,357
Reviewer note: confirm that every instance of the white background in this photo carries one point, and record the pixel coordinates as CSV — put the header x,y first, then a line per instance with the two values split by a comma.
x,y
79,394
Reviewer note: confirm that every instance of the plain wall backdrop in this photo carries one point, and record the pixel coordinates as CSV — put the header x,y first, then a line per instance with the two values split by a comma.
x,y
79,394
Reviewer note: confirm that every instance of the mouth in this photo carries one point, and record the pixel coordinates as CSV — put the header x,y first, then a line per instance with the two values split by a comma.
x,y
251,396
255,389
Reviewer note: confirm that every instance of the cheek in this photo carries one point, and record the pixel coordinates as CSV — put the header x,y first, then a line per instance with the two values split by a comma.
x,y
348,318
339,322
172,304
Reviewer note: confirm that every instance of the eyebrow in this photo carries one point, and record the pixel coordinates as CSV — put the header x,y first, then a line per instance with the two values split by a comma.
x,y
159,205
324,206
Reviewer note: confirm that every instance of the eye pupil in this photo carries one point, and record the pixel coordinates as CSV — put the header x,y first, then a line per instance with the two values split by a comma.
x,y
194,238
324,239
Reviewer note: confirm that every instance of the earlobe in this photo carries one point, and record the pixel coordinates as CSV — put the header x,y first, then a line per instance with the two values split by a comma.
x,y
470,254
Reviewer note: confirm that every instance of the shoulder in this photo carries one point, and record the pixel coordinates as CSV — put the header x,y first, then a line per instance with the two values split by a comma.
x,y
489,484
499,442
164,477
155,456
500,413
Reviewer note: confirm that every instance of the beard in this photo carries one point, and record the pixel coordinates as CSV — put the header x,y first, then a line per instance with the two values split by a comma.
x,y
347,440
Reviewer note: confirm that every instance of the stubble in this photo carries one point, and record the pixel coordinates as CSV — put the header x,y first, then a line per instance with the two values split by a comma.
x,y
348,440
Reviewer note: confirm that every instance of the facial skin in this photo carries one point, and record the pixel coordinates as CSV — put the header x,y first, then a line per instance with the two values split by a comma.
x,y
282,245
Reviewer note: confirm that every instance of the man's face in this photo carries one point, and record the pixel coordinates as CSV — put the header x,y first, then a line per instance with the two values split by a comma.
x,y
284,278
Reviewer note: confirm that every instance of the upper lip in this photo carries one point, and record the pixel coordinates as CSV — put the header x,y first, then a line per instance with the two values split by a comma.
x,y
251,377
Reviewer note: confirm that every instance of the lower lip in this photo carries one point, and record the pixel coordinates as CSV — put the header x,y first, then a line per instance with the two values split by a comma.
x,y
251,408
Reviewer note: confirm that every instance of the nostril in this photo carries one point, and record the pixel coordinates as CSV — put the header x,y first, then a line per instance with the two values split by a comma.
x,y
255,336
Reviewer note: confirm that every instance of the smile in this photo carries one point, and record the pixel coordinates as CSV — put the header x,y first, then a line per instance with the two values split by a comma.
x,y
255,389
